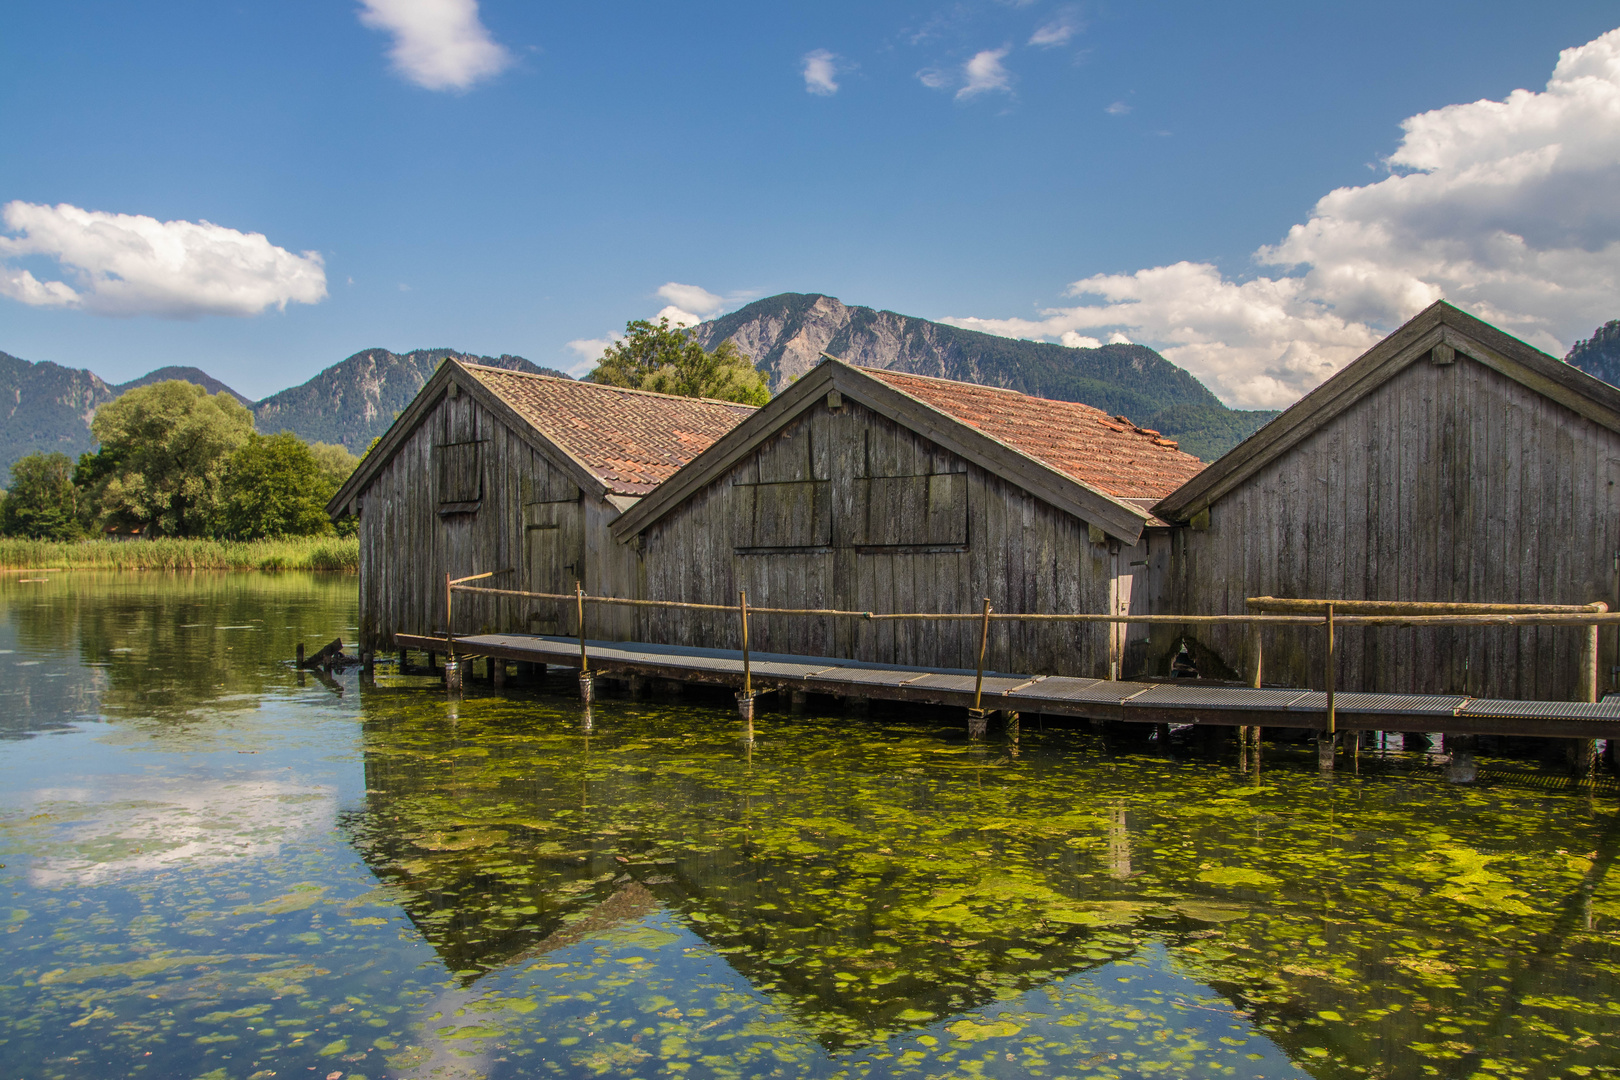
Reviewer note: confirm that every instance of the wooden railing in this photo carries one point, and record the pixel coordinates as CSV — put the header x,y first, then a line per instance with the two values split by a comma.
x,y
1269,611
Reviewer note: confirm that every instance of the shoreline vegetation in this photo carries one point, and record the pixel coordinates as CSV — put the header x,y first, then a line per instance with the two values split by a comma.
x,y
339,553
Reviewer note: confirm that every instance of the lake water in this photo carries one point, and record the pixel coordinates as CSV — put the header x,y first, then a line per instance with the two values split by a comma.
x,y
215,868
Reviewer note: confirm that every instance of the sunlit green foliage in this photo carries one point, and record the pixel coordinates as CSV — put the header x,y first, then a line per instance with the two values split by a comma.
x,y
41,502
163,454
667,360
275,487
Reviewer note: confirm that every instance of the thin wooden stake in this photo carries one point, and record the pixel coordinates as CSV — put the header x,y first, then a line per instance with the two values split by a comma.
x,y
1589,664
449,632
1332,712
748,679
579,600
984,642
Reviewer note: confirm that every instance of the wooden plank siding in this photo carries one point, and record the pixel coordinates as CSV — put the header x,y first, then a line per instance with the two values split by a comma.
x,y
1447,482
886,521
515,513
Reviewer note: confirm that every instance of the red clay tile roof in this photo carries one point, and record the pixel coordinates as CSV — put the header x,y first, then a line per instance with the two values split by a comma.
x,y
630,439
1106,452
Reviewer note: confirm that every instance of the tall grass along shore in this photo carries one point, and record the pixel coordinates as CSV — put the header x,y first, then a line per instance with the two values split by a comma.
x,y
299,553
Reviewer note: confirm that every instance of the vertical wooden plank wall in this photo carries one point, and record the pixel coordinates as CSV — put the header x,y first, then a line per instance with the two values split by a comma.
x,y
1450,482
406,547
1024,554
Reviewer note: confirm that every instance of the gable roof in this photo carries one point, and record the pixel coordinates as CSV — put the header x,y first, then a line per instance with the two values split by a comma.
x,y
1106,452
631,440
1071,456
613,441
1439,325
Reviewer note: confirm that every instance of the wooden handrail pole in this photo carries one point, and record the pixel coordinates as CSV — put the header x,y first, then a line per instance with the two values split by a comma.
x,y
1256,658
1332,714
1590,685
579,600
449,631
748,681
984,642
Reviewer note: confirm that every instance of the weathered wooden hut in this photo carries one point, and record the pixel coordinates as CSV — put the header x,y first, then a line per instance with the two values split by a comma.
x,y
1450,463
496,470
868,490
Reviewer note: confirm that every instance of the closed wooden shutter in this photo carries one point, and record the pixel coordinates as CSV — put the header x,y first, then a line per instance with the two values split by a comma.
x,y
461,477
912,511
787,516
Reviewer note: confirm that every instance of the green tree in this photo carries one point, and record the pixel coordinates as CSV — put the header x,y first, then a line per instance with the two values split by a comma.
x,y
335,461
274,487
41,503
336,465
162,459
668,360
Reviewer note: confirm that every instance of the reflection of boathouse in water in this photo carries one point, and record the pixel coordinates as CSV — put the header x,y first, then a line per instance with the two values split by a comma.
x,y
1450,463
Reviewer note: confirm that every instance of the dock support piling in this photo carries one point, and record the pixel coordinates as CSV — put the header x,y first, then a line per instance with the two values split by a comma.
x,y
976,718
300,654
452,677
584,663
497,673
586,685
745,700
1326,745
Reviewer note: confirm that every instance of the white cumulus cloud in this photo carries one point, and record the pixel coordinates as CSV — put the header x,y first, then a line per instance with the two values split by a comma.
x,y
688,304
438,44
821,73
1509,209
129,264
985,73
1056,32
590,351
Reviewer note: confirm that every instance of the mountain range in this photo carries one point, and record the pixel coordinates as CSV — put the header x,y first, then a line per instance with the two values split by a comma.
x,y
45,407
1599,355
786,334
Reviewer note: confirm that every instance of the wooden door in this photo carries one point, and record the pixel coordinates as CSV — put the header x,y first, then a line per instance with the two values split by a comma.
x,y
554,533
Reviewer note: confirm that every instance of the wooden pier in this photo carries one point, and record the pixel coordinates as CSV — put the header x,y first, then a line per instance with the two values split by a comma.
x,y
1193,702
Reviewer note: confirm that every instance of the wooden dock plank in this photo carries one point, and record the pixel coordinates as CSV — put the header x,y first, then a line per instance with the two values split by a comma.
x,y
1131,702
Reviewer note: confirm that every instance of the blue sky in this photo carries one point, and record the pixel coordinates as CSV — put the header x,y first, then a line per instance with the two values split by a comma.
x,y
508,177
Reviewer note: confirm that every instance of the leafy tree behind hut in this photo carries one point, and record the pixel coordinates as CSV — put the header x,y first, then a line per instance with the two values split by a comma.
x,y
274,487
667,360
163,457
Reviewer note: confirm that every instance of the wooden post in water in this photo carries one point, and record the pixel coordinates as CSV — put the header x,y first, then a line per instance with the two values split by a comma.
x,y
585,681
1584,751
1247,734
1326,747
976,724
745,700
300,654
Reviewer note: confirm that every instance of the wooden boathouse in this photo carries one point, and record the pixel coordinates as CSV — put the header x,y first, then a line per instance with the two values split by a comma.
x,y
869,490
496,470
1450,463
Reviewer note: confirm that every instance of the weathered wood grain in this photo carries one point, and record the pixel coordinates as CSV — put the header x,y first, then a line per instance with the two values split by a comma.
x,y
1450,483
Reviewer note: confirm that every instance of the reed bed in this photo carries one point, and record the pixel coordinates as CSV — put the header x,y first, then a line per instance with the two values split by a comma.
x,y
305,553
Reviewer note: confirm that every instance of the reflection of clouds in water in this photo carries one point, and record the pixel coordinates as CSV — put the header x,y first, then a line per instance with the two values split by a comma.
x,y
135,825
